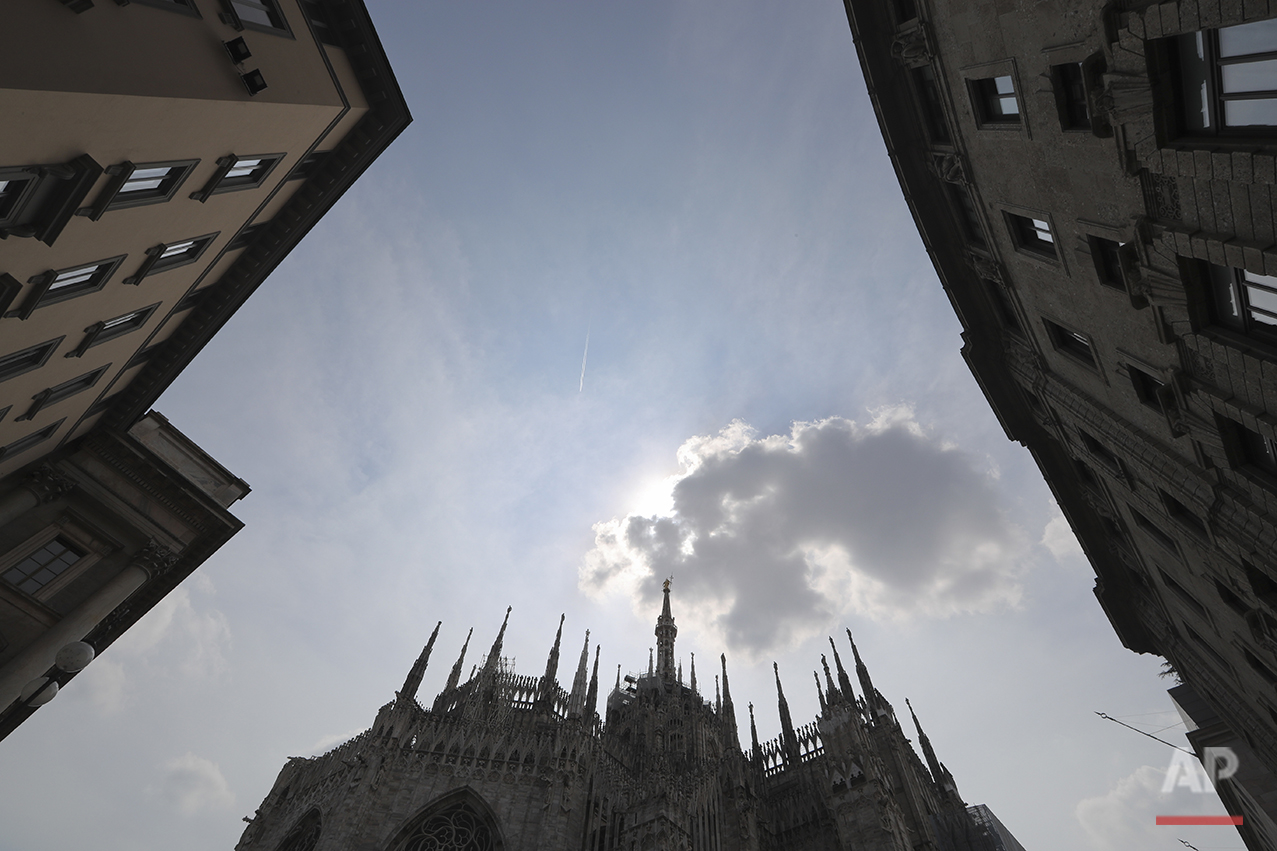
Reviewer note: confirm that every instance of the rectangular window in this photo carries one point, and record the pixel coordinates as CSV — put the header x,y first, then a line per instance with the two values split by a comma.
x,y
1147,388
1259,667
22,444
1243,300
1072,343
44,565
27,359
1154,532
52,395
1261,583
1249,448
37,201
995,100
1230,598
139,184
1182,592
186,7
100,332
1228,79
1070,96
924,79
1108,261
1002,304
1183,514
161,258
1211,651
1032,235
59,285
1102,454
234,172
260,15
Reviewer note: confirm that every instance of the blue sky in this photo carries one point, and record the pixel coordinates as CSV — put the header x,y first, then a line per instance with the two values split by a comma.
x,y
701,187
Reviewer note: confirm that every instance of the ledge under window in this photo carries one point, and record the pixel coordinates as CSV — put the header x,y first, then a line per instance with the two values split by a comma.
x,y
139,184
61,284
171,255
236,172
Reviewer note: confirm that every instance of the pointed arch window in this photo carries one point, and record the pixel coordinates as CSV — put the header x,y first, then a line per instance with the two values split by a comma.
x,y
459,822
305,834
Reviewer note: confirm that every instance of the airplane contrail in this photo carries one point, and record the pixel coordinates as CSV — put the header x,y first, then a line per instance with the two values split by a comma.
x,y
583,357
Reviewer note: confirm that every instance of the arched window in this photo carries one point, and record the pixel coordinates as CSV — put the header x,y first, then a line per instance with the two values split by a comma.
x,y
304,835
458,822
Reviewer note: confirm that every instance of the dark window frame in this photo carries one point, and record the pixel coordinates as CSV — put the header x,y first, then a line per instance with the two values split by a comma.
x,y
988,102
1108,459
316,14
52,395
67,546
1206,51
1026,235
1150,390
222,180
1233,285
247,235
46,293
232,17
35,438
1155,532
51,198
1075,345
1184,516
182,7
110,329
24,360
1106,254
1068,80
1185,596
156,262
116,195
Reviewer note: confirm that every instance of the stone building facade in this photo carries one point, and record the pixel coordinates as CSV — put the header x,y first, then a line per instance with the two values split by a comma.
x,y
1095,182
505,761
164,156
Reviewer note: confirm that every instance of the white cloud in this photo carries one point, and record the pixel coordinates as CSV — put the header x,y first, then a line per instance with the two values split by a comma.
x,y
771,538
1126,817
1058,537
194,784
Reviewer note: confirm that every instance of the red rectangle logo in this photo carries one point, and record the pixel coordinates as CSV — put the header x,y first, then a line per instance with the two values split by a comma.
x,y
1233,820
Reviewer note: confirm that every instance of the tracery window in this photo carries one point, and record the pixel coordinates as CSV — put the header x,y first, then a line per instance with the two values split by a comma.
x,y
305,834
459,827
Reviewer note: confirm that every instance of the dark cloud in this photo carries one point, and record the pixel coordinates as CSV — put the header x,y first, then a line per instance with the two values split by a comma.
x,y
771,538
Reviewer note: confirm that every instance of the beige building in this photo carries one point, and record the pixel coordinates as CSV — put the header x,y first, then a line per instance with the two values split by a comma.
x,y
1095,184
163,156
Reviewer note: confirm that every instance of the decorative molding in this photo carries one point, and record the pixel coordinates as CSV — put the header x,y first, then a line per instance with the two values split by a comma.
x,y
155,559
48,484
913,47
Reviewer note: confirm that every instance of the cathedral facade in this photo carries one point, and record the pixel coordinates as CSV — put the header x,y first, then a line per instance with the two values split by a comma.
x,y
502,762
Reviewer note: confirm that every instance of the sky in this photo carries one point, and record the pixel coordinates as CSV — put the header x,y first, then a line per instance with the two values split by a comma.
x,y
773,410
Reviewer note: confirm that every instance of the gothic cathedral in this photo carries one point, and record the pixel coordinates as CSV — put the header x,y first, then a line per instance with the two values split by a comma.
x,y
503,762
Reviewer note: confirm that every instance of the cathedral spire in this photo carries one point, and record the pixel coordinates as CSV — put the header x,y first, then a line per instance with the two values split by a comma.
x,y
866,684
494,655
692,684
843,680
755,751
592,695
830,688
788,737
729,711
454,676
666,631
650,663
618,677
944,780
577,698
820,693
546,698
413,681
718,697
